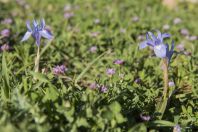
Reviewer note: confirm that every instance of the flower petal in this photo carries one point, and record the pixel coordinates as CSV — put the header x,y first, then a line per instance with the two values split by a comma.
x,y
160,50
42,23
159,36
165,35
147,36
35,24
26,36
143,45
153,37
38,39
150,43
28,26
46,34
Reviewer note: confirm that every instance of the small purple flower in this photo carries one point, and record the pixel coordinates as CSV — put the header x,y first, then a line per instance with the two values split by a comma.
x,y
145,117
67,8
7,21
93,49
118,62
166,27
94,34
138,80
110,71
177,21
103,89
58,70
37,31
177,128
93,85
187,53
193,38
140,37
68,15
5,33
180,47
97,21
122,30
161,50
135,19
5,47
171,84
184,32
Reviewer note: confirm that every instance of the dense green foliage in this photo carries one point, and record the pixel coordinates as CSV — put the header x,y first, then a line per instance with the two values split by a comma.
x,y
66,102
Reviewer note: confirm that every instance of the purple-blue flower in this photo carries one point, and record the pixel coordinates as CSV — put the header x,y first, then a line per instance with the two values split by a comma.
x,y
103,89
93,49
5,47
93,85
184,32
68,15
6,21
171,84
97,21
177,128
5,33
118,62
180,47
145,117
37,31
177,20
161,50
110,71
58,70
137,80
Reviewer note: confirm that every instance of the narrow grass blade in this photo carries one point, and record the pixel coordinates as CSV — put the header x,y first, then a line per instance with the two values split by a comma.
x,y
5,76
88,67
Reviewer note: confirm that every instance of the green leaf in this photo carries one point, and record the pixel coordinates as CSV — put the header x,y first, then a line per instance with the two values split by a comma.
x,y
115,107
82,122
5,77
41,77
161,108
51,94
120,118
88,67
138,128
162,123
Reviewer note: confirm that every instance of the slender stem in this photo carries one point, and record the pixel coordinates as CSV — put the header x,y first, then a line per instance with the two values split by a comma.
x,y
37,59
161,106
165,68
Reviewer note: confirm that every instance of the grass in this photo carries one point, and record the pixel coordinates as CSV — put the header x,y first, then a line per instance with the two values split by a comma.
x,y
66,102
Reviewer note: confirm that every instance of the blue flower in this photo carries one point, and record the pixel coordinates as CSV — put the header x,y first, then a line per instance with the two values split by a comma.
x,y
37,31
161,50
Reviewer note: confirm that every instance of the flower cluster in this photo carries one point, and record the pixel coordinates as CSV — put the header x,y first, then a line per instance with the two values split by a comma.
x,y
118,62
110,71
161,50
101,88
5,33
58,70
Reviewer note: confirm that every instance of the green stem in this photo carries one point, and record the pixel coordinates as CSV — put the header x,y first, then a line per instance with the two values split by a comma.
x,y
165,68
161,106
37,59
